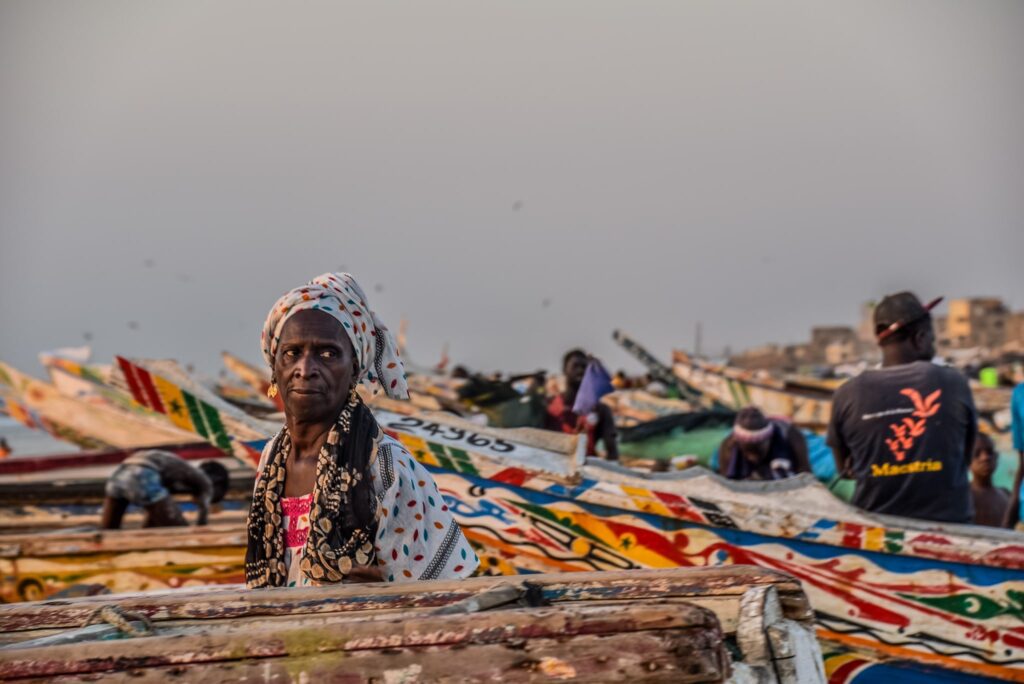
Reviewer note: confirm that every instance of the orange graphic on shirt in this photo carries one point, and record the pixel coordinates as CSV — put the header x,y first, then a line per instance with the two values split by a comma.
x,y
912,427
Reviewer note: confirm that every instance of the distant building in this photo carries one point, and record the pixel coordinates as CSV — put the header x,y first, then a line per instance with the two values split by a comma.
x,y
866,327
973,327
832,342
771,357
1015,329
839,352
976,322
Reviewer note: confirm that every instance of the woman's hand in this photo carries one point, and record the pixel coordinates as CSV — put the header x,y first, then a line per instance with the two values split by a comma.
x,y
365,573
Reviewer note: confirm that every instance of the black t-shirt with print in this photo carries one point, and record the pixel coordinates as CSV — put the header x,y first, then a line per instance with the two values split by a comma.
x,y
909,430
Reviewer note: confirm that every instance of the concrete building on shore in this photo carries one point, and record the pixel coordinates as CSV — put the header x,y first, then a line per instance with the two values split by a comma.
x,y
984,322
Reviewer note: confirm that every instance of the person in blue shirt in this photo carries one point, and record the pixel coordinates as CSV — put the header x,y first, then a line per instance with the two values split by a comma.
x,y
1017,427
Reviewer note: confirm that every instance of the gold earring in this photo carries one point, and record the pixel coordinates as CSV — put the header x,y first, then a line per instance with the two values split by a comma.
x,y
272,390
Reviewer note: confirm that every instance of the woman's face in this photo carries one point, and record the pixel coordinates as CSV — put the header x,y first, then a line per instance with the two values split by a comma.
x,y
314,366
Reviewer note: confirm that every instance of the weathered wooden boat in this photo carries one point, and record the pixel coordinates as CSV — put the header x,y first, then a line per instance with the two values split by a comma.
x,y
806,401
74,477
256,378
735,388
90,424
38,565
681,625
948,596
655,368
631,407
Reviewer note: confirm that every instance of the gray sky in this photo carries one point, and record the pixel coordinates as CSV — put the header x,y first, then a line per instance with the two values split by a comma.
x,y
759,167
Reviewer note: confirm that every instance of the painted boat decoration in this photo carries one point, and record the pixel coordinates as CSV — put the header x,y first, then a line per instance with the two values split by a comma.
x,y
256,379
35,565
668,625
84,423
947,596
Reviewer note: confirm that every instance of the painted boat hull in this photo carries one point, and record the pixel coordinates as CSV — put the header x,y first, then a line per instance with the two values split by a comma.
x,y
944,596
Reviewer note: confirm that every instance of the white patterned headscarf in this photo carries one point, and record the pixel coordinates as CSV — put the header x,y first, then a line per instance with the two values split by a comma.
x,y
339,295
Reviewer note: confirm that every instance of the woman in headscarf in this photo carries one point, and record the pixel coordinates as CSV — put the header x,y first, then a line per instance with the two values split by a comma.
x,y
336,499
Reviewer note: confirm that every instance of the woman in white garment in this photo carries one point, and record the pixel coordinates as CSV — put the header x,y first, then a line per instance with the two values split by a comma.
x,y
336,499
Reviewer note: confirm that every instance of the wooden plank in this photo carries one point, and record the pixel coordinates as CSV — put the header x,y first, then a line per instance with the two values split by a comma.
x,y
714,583
84,516
642,656
398,632
19,546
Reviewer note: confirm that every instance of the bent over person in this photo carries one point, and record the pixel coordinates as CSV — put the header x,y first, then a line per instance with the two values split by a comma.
x,y
905,432
148,479
761,449
336,499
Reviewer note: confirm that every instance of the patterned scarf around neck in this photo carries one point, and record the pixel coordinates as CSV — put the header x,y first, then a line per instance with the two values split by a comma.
x,y
342,512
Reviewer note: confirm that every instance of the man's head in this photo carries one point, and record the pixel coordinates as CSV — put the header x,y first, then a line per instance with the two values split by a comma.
x,y
752,433
574,365
314,366
985,458
218,475
903,328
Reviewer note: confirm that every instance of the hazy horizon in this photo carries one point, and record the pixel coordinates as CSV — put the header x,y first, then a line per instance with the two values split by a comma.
x,y
512,179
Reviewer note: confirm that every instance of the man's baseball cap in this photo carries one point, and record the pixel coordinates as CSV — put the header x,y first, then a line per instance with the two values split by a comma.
x,y
897,311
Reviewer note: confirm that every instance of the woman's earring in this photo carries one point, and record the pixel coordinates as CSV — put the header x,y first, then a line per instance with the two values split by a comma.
x,y
272,390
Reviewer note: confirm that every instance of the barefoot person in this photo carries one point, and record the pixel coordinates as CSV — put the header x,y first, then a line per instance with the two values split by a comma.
x,y
148,479
905,431
337,500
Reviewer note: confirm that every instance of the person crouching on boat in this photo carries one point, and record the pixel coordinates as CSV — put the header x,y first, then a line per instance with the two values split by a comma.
x,y
761,449
596,425
905,431
336,499
149,478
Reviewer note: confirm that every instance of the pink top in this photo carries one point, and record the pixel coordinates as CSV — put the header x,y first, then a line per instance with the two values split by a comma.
x,y
296,531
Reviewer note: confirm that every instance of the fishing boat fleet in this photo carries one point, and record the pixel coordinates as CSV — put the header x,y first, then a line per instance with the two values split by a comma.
x,y
593,569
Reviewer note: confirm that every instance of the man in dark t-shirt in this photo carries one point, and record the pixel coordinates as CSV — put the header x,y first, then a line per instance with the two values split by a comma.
x,y
905,431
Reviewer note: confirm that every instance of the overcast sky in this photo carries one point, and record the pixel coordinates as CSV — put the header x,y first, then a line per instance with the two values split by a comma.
x,y
514,178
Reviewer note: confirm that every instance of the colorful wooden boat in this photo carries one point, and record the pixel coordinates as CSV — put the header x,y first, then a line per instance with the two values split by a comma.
x,y
681,625
90,424
946,596
806,401
655,368
631,407
66,490
37,565
735,388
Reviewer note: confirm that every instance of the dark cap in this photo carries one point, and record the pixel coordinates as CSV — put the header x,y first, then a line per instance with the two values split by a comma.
x,y
897,311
